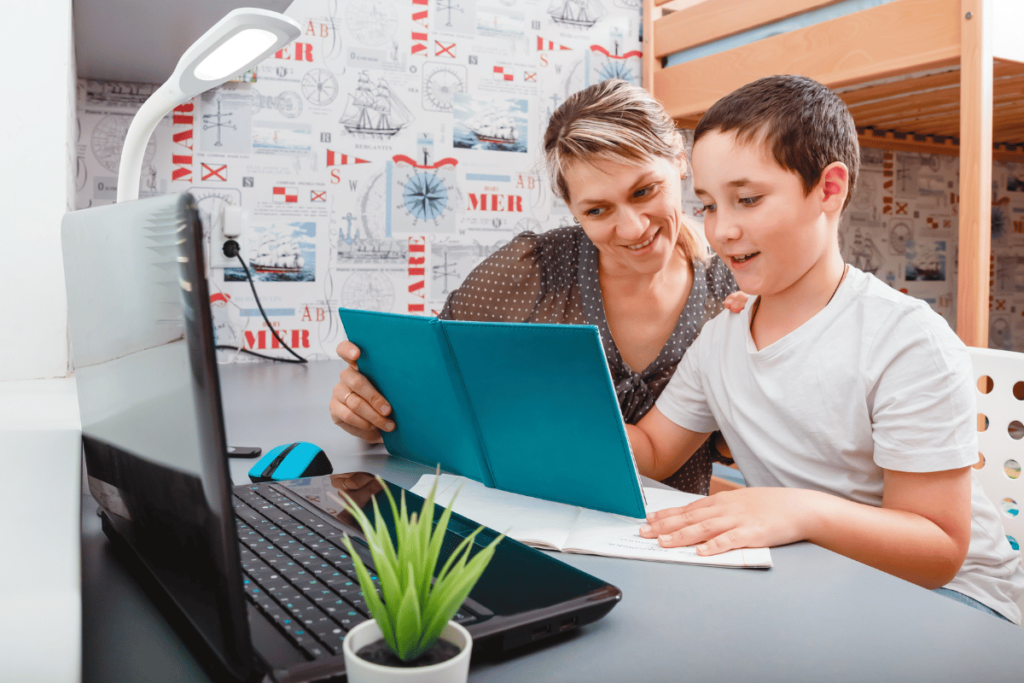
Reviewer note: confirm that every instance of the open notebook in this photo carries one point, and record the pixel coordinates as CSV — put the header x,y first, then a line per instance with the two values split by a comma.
x,y
571,529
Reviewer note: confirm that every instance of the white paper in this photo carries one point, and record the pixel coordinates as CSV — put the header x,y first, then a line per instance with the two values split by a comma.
x,y
572,529
528,520
659,499
598,533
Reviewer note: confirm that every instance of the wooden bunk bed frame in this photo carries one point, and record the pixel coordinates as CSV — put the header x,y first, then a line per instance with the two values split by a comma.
x,y
934,76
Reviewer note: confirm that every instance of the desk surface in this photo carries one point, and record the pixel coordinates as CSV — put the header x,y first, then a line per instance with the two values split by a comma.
x,y
815,616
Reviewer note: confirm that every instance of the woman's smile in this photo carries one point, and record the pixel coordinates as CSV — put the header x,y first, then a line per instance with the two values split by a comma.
x,y
642,247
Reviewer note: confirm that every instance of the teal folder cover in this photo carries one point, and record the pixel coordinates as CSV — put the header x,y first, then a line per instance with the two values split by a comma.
x,y
523,407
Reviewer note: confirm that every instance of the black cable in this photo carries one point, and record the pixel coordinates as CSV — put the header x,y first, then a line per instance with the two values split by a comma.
x,y
228,347
231,249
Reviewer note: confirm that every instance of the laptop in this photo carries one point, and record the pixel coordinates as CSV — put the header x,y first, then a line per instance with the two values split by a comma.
x,y
257,571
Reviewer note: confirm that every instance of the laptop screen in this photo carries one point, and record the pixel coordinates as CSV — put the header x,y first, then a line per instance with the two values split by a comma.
x,y
147,388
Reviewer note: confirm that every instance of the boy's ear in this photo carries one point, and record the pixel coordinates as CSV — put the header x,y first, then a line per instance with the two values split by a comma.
x,y
835,185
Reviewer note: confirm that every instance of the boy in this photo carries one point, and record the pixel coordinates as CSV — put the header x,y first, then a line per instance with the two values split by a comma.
x,y
848,406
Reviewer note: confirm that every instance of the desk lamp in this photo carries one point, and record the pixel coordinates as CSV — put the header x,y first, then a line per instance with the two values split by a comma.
x,y
236,43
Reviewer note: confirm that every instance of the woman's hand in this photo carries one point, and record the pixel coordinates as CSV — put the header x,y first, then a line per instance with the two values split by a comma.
x,y
356,406
745,518
736,301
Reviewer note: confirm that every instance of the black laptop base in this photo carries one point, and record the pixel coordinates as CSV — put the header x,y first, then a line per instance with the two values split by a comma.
x,y
199,649
525,597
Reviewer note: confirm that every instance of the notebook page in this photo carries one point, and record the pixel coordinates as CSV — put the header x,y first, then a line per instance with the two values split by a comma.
x,y
533,521
599,533
659,499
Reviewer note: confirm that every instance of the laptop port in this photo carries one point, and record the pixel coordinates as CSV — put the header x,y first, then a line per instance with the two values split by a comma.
x,y
568,624
541,631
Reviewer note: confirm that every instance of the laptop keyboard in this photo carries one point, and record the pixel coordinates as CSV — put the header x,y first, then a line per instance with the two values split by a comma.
x,y
298,574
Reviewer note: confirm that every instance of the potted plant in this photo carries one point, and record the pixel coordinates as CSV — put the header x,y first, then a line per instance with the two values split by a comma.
x,y
411,636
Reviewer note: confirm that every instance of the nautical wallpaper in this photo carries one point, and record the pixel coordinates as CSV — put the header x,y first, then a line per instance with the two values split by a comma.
x,y
397,143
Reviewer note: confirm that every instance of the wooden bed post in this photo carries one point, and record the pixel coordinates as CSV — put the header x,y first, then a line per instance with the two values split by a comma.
x,y
649,63
975,172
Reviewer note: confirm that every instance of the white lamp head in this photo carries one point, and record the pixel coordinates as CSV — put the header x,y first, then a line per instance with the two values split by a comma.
x,y
236,43
242,39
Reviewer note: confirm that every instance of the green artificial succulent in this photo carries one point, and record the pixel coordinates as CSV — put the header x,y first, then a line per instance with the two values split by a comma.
x,y
414,610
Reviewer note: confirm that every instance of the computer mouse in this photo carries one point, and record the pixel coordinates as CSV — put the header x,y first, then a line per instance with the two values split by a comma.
x,y
291,461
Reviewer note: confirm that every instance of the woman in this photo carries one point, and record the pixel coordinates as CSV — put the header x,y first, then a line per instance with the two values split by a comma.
x,y
631,265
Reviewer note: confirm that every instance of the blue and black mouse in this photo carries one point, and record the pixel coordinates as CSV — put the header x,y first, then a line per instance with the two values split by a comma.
x,y
291,461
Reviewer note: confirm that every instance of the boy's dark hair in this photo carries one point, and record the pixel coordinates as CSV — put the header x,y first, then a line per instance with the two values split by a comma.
x,y
804,125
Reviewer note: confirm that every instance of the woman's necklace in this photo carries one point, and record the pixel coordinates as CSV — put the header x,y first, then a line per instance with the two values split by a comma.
x,y
757,304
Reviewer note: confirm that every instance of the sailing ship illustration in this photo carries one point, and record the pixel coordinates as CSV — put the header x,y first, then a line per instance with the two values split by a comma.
x,y
495,126
373,250
578,13
929,266
374,111
864,254
277,254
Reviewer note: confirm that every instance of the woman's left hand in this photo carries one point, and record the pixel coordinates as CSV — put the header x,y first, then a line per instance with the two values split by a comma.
x,y
757,517
736,301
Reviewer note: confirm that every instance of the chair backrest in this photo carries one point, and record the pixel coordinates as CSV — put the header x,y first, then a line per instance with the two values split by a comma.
x,y
999,387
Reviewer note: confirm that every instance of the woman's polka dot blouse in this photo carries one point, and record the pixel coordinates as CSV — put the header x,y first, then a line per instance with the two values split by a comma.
x,y
552,278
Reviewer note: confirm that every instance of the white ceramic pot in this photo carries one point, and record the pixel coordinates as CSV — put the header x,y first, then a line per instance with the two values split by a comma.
x,y
455,670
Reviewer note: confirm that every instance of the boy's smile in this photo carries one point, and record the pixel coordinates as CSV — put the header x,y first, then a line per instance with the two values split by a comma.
x,y
776,239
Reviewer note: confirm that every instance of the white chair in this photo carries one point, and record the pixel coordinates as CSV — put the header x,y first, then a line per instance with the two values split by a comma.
x,y
999,388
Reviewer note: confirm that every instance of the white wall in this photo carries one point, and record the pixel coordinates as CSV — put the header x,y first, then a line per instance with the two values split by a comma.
x,y
39,97
40,435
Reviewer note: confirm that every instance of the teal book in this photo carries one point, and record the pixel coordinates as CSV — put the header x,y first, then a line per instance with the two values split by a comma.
x,y
521,407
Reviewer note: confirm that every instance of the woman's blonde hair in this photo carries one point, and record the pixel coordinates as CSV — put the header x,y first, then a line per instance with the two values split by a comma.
x,y
612,121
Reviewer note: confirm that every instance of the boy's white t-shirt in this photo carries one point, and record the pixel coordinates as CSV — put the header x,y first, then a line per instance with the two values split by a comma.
x,y
875,380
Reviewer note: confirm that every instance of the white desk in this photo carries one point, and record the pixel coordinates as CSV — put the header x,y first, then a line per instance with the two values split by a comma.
x,y
40,452
815,616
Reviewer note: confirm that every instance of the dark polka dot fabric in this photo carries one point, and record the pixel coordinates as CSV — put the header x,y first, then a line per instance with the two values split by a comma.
x,y
552,278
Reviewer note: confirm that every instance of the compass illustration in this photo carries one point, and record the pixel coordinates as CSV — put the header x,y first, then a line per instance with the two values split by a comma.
x,y
422,197
210,202
319,87
368,291
899,235
425,196
372,214
440,83
615,69
575,79
108,139
616,63
527,225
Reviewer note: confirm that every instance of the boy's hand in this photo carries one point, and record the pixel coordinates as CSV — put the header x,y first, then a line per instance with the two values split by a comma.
x,y
757,517
736,301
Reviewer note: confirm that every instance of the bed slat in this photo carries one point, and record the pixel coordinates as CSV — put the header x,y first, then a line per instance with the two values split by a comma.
x,y
706,22
895,38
